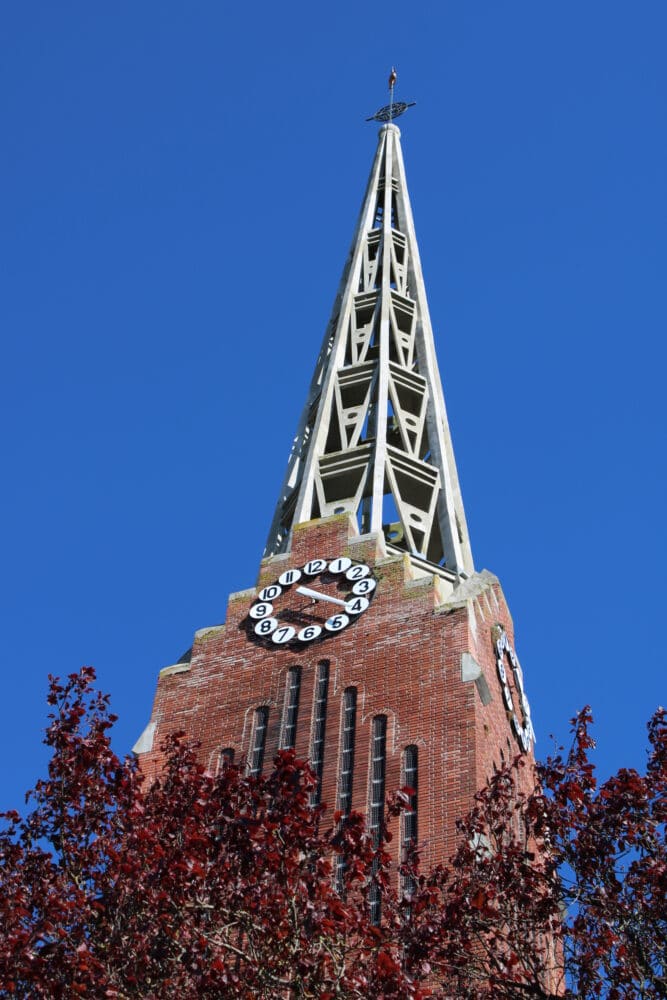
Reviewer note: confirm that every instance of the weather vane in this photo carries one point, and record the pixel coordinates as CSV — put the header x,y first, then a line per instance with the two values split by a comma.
x,y
394,108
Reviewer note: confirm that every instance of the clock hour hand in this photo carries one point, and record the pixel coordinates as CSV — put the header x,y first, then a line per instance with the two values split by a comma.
x,y
307,592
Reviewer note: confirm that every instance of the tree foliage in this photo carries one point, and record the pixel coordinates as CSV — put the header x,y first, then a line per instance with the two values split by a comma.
x,y
225,885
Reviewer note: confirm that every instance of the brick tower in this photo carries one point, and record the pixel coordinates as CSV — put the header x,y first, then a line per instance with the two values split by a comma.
x,y
369,643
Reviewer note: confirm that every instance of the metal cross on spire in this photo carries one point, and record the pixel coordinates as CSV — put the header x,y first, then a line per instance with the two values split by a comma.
x,y
394,108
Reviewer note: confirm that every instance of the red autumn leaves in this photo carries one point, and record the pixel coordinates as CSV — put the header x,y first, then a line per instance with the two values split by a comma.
x,y
223,885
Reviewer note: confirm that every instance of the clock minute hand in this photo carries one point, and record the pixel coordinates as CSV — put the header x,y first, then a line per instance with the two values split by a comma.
x,y
307,592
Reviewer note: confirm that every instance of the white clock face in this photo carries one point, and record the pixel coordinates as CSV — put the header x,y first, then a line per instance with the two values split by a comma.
x,y
313,601
519,714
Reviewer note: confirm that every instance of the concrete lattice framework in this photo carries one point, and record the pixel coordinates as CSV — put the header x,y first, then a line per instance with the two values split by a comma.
x,y
373,439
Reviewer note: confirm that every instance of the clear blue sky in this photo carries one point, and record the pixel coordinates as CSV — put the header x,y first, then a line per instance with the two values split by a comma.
x,y
180,183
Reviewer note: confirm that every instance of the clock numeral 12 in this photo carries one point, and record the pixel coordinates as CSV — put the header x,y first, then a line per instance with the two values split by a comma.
x,y
315,566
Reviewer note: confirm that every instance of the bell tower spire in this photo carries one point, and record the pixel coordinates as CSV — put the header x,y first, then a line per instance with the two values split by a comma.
x,y
369,645
373,439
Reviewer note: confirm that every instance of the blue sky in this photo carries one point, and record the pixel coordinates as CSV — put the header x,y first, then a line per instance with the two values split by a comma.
x,y
180,184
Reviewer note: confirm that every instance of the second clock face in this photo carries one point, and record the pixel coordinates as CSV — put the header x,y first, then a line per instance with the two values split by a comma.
x,y
313,601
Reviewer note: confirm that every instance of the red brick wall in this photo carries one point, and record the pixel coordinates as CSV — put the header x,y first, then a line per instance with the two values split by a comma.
x,y
404,655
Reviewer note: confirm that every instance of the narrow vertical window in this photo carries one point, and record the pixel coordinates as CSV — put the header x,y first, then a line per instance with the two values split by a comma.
x,y
378,768
347,751
291,710
258,741
410,780
346,773
226,758
376,801
319,729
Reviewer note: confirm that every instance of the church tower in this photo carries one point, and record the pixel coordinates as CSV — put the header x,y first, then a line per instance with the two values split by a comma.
x,y
369,643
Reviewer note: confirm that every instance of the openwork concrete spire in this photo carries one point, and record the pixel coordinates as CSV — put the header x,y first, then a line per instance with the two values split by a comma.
x,y
373,437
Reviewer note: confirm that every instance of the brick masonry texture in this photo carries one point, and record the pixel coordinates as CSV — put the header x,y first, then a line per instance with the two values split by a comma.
x,y
404,656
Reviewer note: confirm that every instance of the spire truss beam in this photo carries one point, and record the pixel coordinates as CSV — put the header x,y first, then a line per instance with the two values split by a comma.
x,y
374,438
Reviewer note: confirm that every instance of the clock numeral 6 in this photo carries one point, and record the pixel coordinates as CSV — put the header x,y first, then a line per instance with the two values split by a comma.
x,y
309,633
